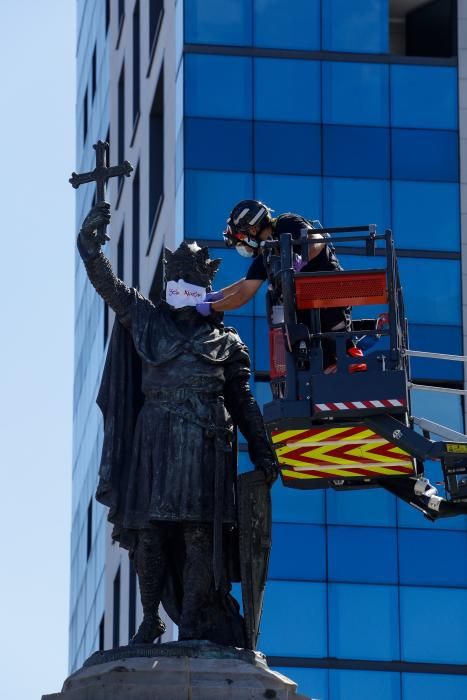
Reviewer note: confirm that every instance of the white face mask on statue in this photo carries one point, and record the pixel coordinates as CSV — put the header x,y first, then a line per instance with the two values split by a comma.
x,y
181,293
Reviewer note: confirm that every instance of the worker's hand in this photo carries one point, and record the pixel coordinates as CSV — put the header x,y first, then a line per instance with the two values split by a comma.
x,y
269,468
297,262
204,308
214,296
98,217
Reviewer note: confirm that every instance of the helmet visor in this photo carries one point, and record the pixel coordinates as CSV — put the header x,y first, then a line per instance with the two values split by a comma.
x,y
234,237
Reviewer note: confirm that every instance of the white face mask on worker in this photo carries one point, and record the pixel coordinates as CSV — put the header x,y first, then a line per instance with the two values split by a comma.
x,y
244,251
181,293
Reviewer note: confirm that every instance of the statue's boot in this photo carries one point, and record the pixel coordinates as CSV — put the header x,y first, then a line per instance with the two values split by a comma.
x,y
150,565
197,579
150,629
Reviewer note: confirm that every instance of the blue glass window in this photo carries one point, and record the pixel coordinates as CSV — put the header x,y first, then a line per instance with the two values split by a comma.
x,y
353,202
364,685
262,393
244,464
233,268
430,338
298,552
426,215
437,299
297,506
297,193
261,347
360,26
355,93
243,325
237,594
310,681
218,86
363,622
230,144
424,97
416,565
287,90
362,554
445,409
368,507
421,686
287,148
294,619
260,301
277,27
209,198
425,155
214,22
356,151
434,624
361,262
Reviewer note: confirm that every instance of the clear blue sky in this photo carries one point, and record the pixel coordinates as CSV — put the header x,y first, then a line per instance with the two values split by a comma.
x,y
37,151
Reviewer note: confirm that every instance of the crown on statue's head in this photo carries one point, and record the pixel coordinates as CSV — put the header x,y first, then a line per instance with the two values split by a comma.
x,y
191,263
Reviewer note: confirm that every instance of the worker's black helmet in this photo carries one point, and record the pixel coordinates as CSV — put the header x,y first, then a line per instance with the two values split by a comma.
x,y
248,212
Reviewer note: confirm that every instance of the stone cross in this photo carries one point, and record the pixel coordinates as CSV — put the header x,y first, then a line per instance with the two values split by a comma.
x,y
101,173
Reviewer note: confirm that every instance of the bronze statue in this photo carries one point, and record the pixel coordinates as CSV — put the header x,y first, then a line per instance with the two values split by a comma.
x,y
174,385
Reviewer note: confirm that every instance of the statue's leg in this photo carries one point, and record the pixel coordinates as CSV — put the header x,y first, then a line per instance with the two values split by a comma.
x,y
197,577
150,565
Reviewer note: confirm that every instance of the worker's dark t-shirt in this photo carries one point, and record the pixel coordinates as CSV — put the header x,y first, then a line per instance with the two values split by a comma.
x,y
294,224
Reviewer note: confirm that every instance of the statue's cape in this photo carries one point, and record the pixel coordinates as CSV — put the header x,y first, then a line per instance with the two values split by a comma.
x,y
156,339
120,399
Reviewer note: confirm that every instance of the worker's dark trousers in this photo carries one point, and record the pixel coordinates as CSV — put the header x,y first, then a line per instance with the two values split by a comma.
x,y
331,320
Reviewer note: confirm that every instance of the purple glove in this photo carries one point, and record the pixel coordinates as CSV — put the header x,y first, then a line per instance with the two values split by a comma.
x,y
204,308
214,296
297,262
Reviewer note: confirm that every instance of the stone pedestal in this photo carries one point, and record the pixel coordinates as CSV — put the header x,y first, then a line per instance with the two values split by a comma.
x,y
177,671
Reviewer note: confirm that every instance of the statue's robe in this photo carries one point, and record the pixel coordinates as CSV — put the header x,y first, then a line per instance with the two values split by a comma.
x,y
158,396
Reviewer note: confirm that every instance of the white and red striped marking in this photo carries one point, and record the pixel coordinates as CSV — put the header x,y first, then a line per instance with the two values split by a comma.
x,y
352,405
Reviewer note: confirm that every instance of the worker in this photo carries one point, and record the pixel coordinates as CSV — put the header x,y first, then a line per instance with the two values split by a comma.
x,y
250,223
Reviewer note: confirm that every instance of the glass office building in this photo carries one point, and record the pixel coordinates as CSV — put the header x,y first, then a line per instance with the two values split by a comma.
x,y
347,112
88,519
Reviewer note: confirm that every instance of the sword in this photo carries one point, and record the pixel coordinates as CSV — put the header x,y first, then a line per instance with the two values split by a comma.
x,y
219,477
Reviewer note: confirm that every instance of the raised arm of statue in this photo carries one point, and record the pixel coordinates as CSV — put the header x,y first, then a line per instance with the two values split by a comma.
x,y
114,291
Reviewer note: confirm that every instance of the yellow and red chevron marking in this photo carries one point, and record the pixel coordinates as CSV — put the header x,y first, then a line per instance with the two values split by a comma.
x,y
340,452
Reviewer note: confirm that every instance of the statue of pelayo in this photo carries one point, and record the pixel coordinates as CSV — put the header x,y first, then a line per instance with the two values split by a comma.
x,y
174,386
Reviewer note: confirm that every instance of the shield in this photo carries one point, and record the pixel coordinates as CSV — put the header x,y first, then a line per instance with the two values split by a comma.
x,y
254,526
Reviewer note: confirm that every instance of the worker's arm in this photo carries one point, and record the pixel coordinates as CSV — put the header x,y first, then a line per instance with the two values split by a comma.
x,y
237,295
315,248
232,288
